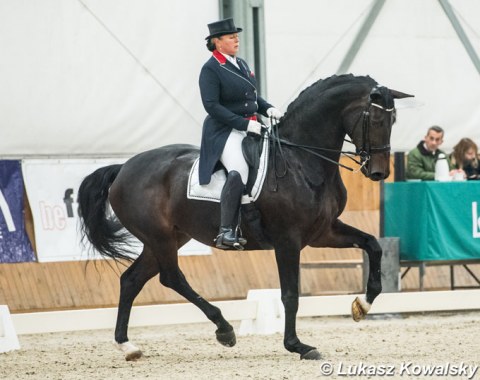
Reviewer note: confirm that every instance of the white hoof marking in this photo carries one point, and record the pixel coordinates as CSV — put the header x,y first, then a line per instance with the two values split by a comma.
x,y
365,305
130,351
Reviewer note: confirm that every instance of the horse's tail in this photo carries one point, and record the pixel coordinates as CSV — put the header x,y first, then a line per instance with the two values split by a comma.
x,y
103,232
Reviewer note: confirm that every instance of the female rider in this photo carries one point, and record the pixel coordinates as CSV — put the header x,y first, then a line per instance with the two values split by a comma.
x,y
229,95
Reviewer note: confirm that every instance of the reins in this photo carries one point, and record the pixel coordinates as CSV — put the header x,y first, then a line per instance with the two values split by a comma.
x,y
364,153
277,141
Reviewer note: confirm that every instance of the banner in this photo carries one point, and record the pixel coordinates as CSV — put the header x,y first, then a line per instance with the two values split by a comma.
x,y
52,188
15,246
434,220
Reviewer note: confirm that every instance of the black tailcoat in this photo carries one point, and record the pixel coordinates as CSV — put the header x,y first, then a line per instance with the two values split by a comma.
x,y
230,97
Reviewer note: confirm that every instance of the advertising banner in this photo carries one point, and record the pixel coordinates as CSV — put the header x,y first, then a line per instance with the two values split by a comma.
x,y
52,187
434,220
15,246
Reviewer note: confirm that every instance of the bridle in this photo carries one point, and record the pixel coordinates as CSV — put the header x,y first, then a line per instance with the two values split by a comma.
x,y
364,152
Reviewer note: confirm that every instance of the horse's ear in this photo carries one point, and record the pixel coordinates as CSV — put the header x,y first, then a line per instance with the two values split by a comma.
x,y
400,95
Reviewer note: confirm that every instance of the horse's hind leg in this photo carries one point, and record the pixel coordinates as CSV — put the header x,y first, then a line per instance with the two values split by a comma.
x,y
171,276
131,283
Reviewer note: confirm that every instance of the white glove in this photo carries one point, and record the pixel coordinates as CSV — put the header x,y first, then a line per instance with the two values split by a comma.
x,y
254,127
274,113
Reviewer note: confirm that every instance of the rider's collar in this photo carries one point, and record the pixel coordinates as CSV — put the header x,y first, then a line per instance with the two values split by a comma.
x,y
219,57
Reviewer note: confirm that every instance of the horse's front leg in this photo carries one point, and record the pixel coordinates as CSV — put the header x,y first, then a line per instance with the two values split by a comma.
x,y
361,306
344,236
288,262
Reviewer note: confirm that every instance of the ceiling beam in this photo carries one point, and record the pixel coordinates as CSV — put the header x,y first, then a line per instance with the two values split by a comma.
x,y
361,36
447,8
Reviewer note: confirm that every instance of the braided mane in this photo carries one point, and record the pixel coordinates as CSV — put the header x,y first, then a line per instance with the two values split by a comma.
x,y
329,86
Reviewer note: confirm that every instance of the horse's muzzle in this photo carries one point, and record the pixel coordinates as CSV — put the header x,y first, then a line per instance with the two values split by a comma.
x,y
378,167
377,176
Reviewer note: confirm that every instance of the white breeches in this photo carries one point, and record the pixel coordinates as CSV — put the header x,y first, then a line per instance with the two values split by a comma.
x,y
232,155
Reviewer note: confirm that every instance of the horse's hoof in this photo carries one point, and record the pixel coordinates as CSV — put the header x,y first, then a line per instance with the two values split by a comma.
x,y
227,339
311,355
359,309
134,355
130,351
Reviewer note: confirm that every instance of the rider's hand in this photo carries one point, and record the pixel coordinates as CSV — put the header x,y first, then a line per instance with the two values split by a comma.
x,y
274,113
254,127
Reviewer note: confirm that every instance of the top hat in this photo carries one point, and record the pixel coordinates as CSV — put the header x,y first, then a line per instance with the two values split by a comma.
x,y
222,27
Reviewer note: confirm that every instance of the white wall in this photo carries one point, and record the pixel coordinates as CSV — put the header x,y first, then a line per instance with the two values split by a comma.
x,y
68,87
412,47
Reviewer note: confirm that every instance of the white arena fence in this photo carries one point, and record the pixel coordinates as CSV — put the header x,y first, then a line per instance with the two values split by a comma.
x,y
261,313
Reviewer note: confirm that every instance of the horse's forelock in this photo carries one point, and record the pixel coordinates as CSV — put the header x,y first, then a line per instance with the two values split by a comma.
x,y
387,97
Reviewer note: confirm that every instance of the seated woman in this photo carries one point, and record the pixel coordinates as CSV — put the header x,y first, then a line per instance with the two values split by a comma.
x,y
465,158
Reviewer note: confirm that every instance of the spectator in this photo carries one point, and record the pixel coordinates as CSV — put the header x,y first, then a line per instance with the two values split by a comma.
x,y
464,158
421,160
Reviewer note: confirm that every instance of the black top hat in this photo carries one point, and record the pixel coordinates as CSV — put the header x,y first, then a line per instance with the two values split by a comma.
x,y
222,27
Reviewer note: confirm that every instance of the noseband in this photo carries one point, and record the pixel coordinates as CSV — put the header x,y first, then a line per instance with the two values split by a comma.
x,y
366,149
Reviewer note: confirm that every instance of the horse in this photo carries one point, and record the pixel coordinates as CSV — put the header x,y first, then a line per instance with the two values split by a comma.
x,y
148,196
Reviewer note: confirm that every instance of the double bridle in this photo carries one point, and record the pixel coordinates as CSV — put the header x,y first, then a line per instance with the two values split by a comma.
x,y
364,153
366,149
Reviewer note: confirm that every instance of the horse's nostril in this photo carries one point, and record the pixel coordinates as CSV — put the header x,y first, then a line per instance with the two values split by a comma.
x,y
377,176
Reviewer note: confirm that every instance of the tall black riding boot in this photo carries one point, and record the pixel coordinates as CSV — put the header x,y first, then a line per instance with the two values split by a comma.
x,y
229,235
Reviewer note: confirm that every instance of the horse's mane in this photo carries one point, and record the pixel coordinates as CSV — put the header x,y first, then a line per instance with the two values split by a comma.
x,y
332,85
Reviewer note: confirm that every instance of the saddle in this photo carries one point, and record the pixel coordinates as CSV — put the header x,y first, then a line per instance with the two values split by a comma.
x,y
256,157
252,148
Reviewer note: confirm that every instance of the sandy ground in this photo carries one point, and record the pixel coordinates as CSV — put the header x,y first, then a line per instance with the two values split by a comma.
x,y
393,345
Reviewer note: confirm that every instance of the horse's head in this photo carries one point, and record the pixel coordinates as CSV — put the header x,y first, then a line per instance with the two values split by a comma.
x,y
370,132
344,104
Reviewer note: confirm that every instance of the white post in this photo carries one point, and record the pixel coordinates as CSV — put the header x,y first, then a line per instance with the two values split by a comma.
x,y
8,337
270,316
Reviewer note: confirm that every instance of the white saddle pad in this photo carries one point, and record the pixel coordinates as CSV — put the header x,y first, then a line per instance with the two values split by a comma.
x,y
213,190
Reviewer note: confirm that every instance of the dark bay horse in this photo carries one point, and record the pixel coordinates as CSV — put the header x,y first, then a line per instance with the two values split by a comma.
x,y
148,195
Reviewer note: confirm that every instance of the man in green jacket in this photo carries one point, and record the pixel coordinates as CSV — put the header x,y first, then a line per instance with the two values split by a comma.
x,y
421,160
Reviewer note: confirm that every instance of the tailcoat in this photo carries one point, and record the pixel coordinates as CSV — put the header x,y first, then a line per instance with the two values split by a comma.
x,y
230,98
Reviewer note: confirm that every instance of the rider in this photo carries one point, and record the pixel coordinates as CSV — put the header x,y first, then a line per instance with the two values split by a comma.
x,y
229,95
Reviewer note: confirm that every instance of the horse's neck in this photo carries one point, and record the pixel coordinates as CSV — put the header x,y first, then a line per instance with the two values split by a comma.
x,y
326,134
317,164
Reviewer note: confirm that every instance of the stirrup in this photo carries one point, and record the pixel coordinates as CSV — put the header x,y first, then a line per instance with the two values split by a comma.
x,y
224,242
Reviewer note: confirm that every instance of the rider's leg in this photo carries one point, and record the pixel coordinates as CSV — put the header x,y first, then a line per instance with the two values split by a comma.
x,y
233,160
229,205
232,155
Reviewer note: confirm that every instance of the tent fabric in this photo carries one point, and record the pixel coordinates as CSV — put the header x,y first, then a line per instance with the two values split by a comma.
x,y
116,77
70,83
411,47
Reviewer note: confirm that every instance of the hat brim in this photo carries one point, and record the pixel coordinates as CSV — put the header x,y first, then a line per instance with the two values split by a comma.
x,y
219,34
